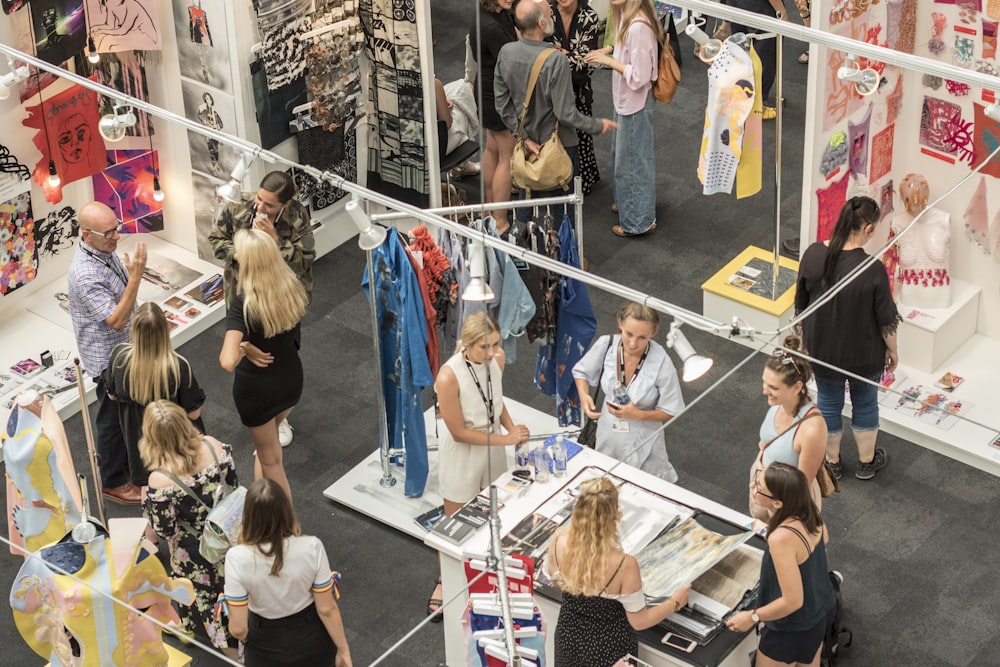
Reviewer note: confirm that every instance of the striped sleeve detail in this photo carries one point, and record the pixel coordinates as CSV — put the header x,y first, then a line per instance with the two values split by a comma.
x,y
238,601
323,587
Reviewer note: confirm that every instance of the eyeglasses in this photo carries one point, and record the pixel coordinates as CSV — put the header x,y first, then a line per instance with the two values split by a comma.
x,y
756,487
786,359
110,234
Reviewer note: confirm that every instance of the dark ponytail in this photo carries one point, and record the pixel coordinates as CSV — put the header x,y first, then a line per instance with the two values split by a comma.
x,y
854,215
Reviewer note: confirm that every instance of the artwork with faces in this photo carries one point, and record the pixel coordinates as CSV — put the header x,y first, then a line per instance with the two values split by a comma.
x,y
59,27
124,25
203,42
216,111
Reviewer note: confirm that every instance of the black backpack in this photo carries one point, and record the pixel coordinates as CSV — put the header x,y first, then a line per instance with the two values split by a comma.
x,y
835,639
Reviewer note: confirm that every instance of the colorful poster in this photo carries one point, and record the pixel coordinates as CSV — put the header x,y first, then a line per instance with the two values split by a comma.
x,y
127,187
124,25
18,261
829,202
125,72
56,232
67,134
59,27
217,112
20,26
986,139
937,120
203,42
881,155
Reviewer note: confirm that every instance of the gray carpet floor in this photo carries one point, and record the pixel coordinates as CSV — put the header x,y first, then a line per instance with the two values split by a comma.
x,y
916,545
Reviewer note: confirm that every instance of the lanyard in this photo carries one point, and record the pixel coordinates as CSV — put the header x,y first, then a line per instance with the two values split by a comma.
x,y
488,396
621,363
108,264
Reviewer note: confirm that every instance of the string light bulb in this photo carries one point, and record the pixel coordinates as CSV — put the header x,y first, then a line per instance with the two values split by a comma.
x,y
157,191
54,179
92,55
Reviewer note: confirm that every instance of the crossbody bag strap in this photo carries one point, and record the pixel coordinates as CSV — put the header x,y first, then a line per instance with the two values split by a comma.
x,y
600,377
532,80
184,487
813,412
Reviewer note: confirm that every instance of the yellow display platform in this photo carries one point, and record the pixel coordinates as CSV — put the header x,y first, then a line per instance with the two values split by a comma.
x,y
174,657
722,301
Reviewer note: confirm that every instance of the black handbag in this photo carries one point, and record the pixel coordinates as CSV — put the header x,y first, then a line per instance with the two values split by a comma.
x,y
588,434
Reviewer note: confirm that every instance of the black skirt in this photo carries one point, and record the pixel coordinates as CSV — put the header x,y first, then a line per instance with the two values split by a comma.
x,y
299,639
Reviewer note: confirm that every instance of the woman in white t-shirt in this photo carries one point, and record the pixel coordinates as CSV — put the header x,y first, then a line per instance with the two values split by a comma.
x,y
279,589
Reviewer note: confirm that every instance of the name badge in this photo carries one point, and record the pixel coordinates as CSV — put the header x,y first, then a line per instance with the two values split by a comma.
x,y
620,426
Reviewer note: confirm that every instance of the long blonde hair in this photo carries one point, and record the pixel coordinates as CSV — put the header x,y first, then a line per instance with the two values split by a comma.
x,y
169,440
273,297
475,327
591,538
632,10
149,360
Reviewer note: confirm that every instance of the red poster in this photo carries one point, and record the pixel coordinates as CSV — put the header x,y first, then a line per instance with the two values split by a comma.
x,y
881,159
829,202
986,139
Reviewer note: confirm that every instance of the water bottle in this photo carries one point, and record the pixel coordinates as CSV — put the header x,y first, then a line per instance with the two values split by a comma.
x,y
619,395
559,457
521,460
541,464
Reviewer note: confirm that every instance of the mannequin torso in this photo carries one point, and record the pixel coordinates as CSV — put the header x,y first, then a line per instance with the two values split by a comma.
x,y
924,281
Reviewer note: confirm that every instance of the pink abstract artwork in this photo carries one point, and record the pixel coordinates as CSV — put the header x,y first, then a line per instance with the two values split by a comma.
x,y
881,159
127,187
829,202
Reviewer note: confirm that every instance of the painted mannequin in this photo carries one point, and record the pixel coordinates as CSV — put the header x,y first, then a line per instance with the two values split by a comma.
x,y
923,281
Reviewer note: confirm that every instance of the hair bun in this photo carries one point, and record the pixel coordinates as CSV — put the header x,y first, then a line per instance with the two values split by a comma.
x,y
793,343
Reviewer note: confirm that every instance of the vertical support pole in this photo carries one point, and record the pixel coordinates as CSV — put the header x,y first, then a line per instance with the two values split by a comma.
x,y
779,104
578,215
383,423
496,563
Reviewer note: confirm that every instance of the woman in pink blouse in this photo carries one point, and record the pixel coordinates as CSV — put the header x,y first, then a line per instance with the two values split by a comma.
x,y
634,60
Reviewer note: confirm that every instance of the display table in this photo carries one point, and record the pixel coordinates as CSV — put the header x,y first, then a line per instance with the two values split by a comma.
x,y
727,649
928,336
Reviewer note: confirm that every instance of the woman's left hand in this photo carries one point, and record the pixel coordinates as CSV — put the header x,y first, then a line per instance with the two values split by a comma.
x,y
599,57
630,411
740,622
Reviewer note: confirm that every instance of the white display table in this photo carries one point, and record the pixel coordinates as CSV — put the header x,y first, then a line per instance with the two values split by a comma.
x,y
453,577
928,336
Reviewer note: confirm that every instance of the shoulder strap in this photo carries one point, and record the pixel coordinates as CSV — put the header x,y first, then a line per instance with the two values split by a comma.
x,y
600,376
532,80
794,424
617,570
184,487
799,533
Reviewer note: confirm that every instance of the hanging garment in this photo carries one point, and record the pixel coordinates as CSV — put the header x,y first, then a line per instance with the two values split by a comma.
x,y
575,327
430,315
731,94
442,286
452,250
750,168
405,370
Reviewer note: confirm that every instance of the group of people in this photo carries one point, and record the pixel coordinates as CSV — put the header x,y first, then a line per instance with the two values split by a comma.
x,y
506,39
151,439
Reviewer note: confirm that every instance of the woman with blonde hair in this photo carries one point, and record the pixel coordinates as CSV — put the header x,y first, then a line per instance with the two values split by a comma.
x,y
147,369
279,588
173,450
603,599
634,59
262,347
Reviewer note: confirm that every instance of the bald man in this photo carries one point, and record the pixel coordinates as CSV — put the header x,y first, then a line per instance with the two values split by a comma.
x,y
102,295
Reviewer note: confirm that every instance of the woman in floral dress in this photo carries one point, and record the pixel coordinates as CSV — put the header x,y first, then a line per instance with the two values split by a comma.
x,y
577,31
171,444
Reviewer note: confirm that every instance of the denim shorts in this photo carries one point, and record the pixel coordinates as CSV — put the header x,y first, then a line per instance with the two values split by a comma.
x,y
864,403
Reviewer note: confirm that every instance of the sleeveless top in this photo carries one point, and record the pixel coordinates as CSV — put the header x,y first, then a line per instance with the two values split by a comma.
x,y
817,592
782,449
473,405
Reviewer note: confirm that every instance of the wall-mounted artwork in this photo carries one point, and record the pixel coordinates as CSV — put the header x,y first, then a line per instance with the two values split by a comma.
x,y
203,42
124,25
57,232
126,186
858,134
60,29
215,111
11,6
986,139
18,260
205,208
841,100
937,119
20,26
126,73
881,154
829,201
11,169
68,135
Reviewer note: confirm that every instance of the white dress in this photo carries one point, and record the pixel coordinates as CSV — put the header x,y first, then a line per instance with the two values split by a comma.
x,y
464,470
924,281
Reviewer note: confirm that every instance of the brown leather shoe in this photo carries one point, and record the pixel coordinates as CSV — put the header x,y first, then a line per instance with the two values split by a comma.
x,y
126,494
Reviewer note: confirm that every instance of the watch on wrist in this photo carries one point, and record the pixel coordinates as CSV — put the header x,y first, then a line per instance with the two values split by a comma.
x,y
754,616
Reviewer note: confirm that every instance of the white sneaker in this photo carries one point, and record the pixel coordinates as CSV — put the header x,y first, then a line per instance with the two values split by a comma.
x,y
285,433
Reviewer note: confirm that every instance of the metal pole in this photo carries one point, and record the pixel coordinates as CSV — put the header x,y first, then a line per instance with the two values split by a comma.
x,y
479,208
779,104
95,457
496,563
383,422
578,215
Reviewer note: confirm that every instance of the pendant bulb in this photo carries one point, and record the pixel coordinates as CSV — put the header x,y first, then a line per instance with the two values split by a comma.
x,y
54,180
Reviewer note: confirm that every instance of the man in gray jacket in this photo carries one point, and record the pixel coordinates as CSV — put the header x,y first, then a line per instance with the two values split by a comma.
x,y
552,98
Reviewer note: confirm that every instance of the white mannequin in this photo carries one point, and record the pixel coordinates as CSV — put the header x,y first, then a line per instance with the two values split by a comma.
x,y
923,280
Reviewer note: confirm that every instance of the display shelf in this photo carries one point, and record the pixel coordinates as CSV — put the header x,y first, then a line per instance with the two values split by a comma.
x,y
978,361
928,336
722,300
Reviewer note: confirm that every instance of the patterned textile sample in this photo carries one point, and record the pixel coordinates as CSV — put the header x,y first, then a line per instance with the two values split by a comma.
x,y
977,218
829,201
749,170
18,260
858,134
335,151
284,52
731,95
901,21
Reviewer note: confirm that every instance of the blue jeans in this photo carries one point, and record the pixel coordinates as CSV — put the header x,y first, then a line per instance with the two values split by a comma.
x,y
864,403
633,160
527,213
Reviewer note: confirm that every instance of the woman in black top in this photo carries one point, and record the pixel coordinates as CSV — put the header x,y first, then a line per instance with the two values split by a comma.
x,y
496,28
577,31
796,600
854,331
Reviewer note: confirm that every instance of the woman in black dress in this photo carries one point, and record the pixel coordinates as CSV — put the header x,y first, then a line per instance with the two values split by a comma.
x,y
262,346
577,31
603,599
496,28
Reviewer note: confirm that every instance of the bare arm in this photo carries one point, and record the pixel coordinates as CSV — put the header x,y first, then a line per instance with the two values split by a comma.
x,y
238,626
329,613
783,545
650,616
891,355
810,443
135,265
232,350
586,400
451,411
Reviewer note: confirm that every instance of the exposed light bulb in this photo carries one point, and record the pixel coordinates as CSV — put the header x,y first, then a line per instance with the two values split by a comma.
x,y
157,191
54,180
92,55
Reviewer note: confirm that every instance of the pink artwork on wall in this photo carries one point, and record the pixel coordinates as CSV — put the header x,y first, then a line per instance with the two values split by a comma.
x,y
829,202
936,120
68,135
841,100
127,187
986,139
977,217
18,261
881,160
858,134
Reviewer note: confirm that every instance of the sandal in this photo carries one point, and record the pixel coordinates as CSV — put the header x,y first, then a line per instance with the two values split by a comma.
x,y
614,207
804,58
618,231
769,113
434,603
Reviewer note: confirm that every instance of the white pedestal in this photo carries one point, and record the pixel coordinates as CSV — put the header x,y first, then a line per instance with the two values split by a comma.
x,y
928,336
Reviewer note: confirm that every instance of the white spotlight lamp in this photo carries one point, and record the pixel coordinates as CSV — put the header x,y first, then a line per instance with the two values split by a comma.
x,y
114,125
478,289
231,191
694,365
865,80
992,111
12,78
708,48
370,235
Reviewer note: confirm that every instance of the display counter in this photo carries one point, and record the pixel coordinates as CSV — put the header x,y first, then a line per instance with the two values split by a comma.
x,y
648,519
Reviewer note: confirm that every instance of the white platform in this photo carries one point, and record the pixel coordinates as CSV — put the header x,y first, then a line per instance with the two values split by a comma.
x,y
928,336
